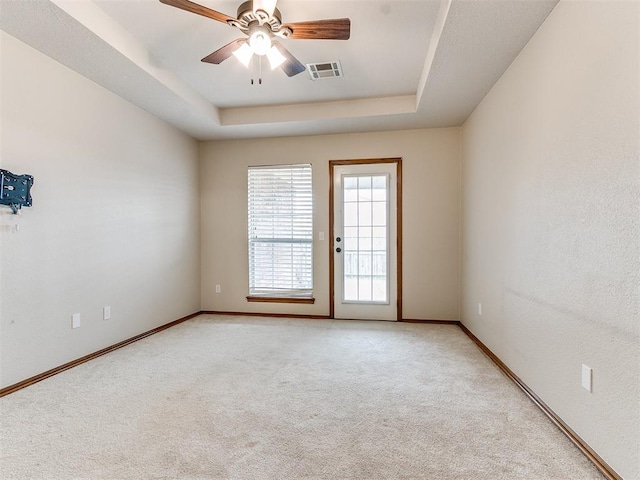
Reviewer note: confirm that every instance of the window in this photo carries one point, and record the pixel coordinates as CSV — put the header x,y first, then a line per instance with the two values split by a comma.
x,y
280,232
365,219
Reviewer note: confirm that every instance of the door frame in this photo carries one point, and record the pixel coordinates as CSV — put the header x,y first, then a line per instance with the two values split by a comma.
x,y
366,161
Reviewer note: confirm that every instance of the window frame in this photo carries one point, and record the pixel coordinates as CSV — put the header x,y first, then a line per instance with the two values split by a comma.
x,y
300,229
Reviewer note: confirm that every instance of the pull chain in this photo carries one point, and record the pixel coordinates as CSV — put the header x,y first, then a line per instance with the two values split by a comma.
x,y
256,64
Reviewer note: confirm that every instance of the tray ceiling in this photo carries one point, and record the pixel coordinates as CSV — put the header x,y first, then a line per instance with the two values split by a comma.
x,y
408,64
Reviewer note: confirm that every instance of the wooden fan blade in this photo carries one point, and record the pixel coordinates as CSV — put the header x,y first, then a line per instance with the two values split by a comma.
x,y
291,66
223,53
334,29
198,9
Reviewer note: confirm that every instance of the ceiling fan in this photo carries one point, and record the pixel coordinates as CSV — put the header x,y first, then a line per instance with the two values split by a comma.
x,y
261,22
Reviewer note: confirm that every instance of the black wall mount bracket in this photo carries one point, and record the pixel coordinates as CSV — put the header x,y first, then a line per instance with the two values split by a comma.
x,y
15,190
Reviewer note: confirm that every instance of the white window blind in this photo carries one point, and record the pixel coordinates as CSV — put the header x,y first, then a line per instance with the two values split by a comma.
x,y
280,231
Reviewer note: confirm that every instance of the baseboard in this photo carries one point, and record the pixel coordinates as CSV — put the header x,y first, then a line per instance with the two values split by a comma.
x,y
272,315
432,322
319,317
54,371
600,464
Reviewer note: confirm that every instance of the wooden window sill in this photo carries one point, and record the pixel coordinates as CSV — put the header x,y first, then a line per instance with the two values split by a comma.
x,y
281,300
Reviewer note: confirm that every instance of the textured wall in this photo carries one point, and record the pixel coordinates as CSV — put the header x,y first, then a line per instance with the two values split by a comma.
x,y
431,192
115,217
551,228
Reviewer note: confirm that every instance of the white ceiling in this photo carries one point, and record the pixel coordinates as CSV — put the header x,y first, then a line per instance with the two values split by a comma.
x,y
408,63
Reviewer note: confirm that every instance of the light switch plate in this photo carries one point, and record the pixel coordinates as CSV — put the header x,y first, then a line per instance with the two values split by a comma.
x,y
587,378
75,320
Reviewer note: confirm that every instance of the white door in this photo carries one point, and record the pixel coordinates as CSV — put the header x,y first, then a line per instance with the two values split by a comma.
x,y
365,241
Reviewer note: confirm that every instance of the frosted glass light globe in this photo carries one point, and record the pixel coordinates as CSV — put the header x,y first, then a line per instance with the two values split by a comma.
x,y
260,42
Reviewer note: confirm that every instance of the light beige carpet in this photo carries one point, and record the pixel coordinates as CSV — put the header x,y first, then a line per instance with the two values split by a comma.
x,y
250,398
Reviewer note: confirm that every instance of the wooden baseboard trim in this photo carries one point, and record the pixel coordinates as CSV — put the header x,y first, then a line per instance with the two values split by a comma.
x,y
600,464
272,315
319,317
433,322
54,371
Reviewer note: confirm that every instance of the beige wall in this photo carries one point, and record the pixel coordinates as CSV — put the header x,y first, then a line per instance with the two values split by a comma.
x,y
115,217
431,192
551,232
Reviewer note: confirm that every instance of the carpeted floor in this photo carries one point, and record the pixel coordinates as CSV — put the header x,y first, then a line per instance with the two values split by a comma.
x,y
251,398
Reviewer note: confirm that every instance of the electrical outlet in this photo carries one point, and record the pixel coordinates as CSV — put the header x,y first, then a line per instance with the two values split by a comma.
x,y
587,378
75,320
218,289
106,313
479,309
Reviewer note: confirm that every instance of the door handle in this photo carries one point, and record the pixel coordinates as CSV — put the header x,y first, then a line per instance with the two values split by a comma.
x,y
338,249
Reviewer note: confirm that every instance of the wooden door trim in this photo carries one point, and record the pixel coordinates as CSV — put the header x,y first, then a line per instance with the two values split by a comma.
x,y
367,161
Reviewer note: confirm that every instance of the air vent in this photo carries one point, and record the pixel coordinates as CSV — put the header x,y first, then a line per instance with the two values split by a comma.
x,y
318,71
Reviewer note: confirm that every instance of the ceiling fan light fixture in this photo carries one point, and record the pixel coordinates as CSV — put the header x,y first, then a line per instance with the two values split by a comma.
x,y
260,42
261,21
276,58
244,54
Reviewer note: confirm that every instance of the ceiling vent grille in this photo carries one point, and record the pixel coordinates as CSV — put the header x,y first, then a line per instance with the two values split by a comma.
x,y
319,71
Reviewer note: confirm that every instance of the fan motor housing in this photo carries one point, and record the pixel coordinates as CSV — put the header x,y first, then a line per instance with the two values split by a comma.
x,y
247,16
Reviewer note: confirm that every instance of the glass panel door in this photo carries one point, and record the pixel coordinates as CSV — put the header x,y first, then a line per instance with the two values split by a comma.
x,y
365,232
